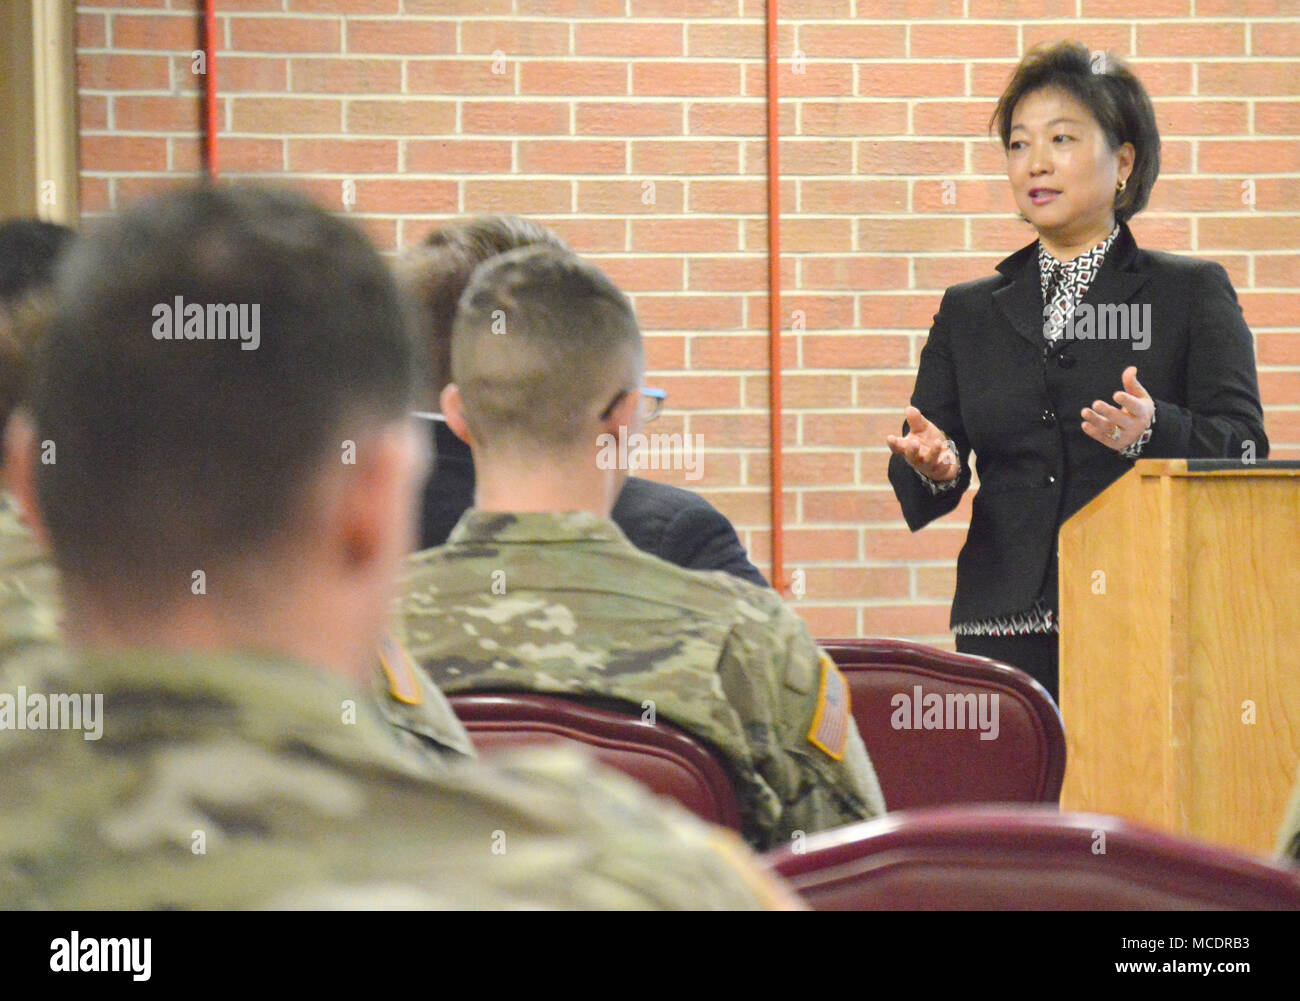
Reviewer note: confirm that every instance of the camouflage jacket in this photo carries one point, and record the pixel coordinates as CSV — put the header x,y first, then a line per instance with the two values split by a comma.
x,y
204,781
29,595
563,603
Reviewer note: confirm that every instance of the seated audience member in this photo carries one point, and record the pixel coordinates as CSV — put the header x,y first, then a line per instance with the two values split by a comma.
x,y
538,590
669,522
29,253
29,250
228,508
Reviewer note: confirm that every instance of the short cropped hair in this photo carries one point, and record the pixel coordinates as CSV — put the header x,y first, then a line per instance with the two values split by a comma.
x,y
195,452
542,343
436,271
29,251
1111,93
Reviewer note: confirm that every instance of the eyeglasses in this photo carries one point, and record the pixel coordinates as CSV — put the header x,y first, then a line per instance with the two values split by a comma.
x,y
652,403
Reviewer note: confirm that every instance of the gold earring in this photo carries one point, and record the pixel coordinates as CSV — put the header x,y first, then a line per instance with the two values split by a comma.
x,y
1120,185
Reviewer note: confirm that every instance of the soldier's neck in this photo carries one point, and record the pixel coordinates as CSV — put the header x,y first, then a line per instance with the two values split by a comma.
x,y
321,633
545,487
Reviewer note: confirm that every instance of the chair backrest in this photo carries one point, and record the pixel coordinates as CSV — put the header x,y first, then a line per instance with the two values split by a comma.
x,y
901,690
662,757
1025,858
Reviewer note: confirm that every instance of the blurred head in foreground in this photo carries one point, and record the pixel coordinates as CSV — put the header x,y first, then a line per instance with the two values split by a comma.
x,y
218,444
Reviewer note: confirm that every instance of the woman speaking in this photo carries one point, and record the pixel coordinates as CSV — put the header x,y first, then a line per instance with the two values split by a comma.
x,y
1081,354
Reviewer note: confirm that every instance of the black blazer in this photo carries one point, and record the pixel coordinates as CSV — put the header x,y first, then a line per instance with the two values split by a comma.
x,y
665,521
988,381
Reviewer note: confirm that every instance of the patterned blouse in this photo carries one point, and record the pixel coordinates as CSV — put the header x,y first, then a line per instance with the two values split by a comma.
x,y
1064,284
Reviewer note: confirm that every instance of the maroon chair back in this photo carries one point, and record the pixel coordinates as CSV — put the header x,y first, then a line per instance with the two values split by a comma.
x,y
892,682
1025,858
662,757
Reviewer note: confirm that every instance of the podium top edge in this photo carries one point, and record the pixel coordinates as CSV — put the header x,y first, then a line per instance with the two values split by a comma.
x,y
1196,467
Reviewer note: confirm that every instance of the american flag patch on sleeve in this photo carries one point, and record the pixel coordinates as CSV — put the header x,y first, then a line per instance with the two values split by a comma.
x,y
830,726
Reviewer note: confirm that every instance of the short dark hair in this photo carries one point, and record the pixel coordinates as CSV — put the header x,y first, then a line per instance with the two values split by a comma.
x,y
436,271
195,453
1111,93
541,342
29,252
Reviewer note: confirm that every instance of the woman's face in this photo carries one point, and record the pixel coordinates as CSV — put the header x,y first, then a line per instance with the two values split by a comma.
x,y
1062,172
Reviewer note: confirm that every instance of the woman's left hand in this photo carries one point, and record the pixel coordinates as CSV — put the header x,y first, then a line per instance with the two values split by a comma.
x,y
1119,427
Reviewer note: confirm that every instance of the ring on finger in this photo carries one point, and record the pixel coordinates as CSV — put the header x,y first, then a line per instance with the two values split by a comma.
x,y
1116,433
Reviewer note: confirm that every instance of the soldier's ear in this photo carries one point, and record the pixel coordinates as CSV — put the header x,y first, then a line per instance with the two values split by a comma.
x,y
375,512
624,416
453,411
20,448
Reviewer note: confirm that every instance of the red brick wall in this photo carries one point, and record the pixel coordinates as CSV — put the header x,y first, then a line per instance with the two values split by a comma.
x,y
397,102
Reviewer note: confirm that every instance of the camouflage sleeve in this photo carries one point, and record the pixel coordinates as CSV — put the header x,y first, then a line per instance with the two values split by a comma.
x,y
1288,839
795,708
26,622
648,850
566,834
29,596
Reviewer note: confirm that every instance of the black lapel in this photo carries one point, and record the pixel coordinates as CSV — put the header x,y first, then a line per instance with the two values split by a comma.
x,y
1021,299
1120,277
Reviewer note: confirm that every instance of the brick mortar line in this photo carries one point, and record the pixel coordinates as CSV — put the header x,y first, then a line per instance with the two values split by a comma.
x,y
755,61
734,21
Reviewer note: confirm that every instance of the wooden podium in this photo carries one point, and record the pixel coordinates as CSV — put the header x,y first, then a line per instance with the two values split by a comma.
x,y
1180,649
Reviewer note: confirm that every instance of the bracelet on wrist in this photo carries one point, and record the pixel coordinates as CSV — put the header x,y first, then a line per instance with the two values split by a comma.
x,y
1134,451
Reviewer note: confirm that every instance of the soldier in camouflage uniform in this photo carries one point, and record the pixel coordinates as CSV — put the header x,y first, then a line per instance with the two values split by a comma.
x,y
223,753
30,607
29,253
523,598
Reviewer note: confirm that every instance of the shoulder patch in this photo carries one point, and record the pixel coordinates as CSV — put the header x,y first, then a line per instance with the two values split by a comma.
x,y
830,725
402,683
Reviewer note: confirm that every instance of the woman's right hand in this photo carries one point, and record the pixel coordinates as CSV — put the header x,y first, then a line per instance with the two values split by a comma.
x,y
925,448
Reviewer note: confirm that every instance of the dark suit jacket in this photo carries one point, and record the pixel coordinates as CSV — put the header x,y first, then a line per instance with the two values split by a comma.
x,y
987,380
665,521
